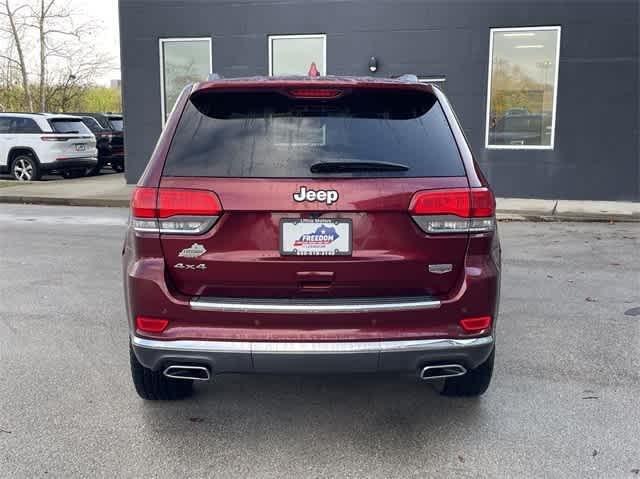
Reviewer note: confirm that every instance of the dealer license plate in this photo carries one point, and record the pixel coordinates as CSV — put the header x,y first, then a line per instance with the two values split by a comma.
x,y
315,237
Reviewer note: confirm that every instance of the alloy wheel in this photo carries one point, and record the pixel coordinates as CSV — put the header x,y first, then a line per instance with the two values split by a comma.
x,y
23,170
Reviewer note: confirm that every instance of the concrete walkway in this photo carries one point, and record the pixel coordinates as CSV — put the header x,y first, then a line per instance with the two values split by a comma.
x,y
103,190
111,190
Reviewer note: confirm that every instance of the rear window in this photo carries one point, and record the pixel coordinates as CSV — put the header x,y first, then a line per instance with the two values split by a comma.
x,y
92,123
272,135
69,125
116,123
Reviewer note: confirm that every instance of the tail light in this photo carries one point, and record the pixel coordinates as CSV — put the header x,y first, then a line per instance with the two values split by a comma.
x,y
174,211
55,138
459,210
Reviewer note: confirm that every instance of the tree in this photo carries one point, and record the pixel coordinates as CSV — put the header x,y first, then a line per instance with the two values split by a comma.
x,y
14,26
65,59
59,36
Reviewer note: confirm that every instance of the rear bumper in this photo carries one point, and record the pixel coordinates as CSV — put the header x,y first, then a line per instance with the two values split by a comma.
x,y
70,164
148,294
312,357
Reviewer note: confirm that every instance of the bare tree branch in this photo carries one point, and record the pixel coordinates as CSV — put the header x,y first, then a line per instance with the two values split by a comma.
x,y
48,41
54,22
9,59
17,36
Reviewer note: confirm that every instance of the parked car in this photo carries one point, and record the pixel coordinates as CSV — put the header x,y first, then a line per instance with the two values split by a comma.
x,y
521,129
32,144
516,112
109,131
311,226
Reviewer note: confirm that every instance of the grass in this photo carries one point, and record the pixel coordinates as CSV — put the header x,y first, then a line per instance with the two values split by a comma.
x,y
4,184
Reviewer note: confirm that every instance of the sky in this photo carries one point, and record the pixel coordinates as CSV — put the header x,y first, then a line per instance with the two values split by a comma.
x,y
105,12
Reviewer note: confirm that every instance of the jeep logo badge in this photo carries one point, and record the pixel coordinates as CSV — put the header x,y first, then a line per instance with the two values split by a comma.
x,y
326,196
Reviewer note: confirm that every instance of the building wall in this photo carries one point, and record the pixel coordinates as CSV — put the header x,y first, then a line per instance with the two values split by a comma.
x,y
596,154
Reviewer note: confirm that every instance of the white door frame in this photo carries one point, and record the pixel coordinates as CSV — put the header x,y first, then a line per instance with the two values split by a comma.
x,y
557,29
161,42
306,35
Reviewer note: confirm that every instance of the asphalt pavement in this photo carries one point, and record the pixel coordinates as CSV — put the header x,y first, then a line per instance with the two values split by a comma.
x,y
564,401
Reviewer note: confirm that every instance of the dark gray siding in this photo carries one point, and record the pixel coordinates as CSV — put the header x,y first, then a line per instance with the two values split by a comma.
x,y
596,154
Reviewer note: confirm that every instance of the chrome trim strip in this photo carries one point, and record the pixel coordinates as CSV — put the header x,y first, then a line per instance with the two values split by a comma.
x,y
202,304
314,348
434,344
310,348
193,346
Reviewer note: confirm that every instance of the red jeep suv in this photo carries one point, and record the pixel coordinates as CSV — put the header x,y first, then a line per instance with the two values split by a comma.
x,y
323,225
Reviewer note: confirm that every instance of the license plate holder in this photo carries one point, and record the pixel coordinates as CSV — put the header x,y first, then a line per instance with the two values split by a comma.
x,y
316,237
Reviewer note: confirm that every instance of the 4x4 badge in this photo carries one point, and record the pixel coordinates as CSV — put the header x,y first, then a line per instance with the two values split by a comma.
x,y
194,251
190,266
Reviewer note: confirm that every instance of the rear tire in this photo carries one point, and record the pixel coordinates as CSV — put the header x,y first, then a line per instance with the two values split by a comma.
x,y
25,168
95,170
153,386
474,383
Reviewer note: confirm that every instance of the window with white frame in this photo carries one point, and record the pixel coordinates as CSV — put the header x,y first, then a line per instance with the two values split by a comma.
x,y
295,54
182,61
522,87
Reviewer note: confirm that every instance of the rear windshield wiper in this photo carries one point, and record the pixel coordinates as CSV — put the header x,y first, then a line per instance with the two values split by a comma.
x,y
348,166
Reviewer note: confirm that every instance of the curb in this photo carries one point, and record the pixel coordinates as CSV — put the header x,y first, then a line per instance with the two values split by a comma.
x,y
545,217
43,200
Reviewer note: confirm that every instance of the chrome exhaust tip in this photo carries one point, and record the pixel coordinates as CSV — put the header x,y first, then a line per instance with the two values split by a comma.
x,y
181,371
438,371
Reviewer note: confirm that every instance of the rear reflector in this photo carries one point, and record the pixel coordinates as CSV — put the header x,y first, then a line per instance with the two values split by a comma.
x,y
174,211
151,325
458,210
315,93
473,325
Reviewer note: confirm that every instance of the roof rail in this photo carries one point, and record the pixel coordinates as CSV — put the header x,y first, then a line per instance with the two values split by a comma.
x,y
408,77
214,76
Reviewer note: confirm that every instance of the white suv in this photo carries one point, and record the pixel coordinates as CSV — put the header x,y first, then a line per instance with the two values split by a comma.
x,y
35,143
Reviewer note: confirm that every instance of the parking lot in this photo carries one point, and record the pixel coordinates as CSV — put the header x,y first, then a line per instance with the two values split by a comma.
x,y
8,180
564,401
